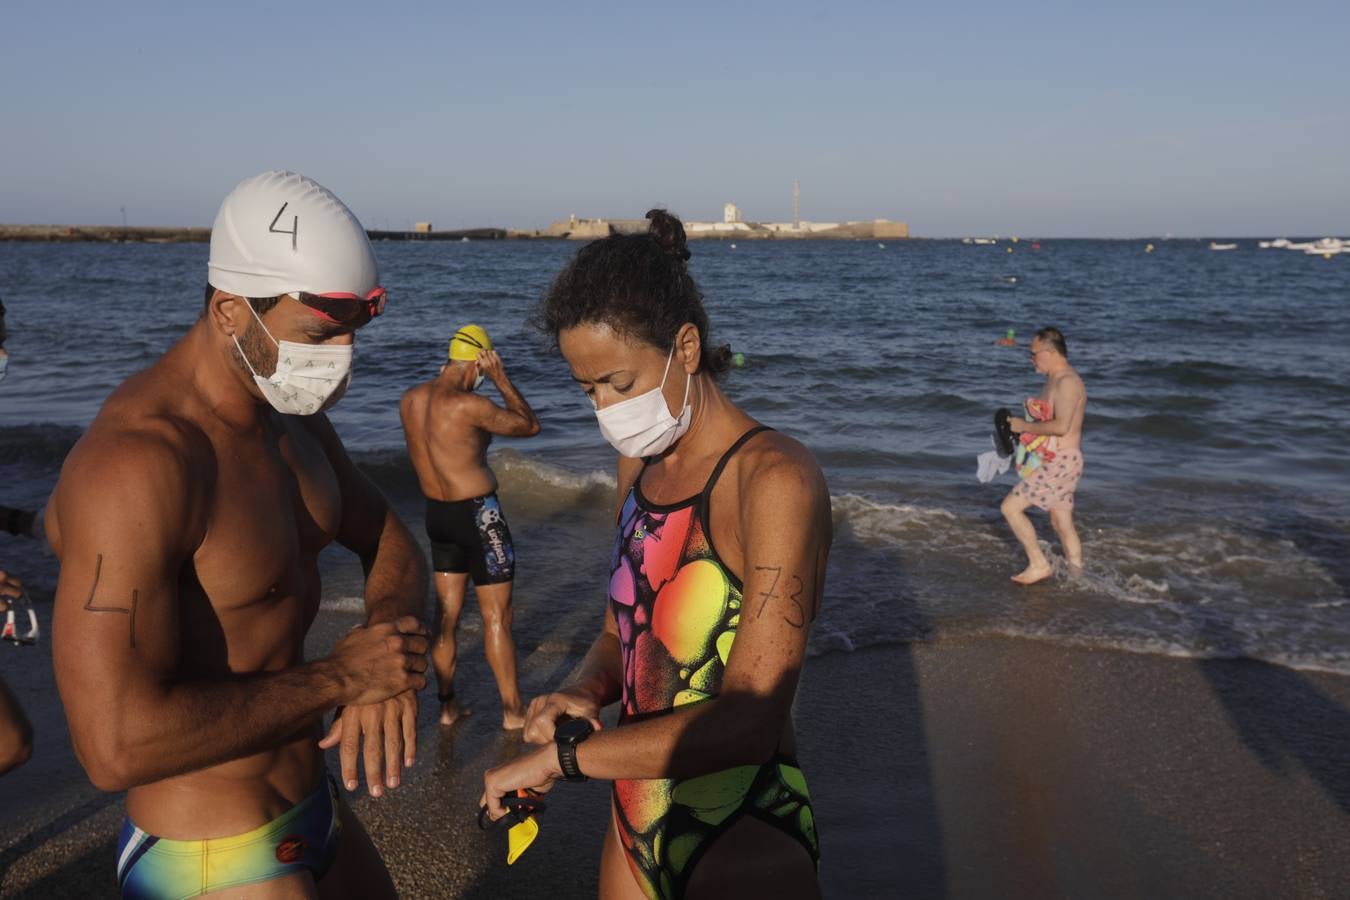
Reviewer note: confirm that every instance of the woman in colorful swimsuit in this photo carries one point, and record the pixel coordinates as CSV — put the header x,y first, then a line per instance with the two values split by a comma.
x,y
717,573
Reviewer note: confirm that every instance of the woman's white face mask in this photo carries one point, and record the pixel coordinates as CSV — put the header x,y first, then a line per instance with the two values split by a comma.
x,y
642,425
309,378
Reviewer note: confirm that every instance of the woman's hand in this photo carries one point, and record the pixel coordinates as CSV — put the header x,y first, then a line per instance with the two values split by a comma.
x,y
544,712
1017,424
536,770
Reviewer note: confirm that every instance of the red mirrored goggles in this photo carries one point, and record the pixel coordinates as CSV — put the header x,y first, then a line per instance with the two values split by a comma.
x,y
345,308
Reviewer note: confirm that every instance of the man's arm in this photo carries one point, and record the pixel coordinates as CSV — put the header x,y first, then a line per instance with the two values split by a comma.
x,y
132,510
396,570
396,588
1066,397
517,419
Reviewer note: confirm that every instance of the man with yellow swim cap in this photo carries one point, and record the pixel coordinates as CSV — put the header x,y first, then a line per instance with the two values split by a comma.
x,y
468,342
448,428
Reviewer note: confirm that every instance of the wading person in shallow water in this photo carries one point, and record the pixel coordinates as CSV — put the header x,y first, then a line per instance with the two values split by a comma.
x,y
716,576
188,520
448,428
1052,484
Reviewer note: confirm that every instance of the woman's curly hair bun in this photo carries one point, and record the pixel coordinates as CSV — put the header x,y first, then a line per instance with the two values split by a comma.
x,y
669,233
637,284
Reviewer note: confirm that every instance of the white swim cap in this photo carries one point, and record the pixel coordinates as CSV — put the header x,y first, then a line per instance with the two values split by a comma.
x,y
279,233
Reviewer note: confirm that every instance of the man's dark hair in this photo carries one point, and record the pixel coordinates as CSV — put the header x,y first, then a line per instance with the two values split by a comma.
x,y
637,284
260,304
1055,338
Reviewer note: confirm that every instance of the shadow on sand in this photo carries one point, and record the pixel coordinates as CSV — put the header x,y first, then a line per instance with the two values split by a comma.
x,y
1281,715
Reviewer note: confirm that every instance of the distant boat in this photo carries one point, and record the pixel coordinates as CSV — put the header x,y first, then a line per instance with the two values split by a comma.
x,y
1214,246
986,241
1278,244
1327,247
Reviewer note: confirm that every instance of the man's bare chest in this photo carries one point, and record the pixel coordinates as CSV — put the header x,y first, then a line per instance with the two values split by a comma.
x,y
274,506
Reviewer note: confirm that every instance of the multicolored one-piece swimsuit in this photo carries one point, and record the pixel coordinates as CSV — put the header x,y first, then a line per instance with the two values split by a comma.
x,y
677,608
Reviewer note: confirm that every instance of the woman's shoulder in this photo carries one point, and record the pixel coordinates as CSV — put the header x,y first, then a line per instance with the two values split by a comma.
x,y
774,462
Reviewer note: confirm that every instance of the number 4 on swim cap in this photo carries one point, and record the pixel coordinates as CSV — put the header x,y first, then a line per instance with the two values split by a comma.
x,y
282,233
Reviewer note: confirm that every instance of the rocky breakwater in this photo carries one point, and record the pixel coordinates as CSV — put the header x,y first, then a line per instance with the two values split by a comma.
x,y
119,234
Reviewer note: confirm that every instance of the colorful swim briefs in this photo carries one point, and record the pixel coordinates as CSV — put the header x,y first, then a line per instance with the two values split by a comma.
x,y
304,837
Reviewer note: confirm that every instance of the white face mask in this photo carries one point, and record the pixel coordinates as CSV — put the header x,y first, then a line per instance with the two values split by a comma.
x,y
477,382
642,425
309,378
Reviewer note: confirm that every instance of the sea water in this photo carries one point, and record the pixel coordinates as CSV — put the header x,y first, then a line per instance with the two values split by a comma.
x,y
1214,509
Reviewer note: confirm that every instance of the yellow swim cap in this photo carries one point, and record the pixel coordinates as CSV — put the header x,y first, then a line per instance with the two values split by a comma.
x,y
468,342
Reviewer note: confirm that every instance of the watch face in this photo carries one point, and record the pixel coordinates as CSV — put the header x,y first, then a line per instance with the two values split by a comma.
x,y
573,730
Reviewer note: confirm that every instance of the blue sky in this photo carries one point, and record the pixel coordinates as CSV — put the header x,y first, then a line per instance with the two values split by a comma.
x,y
972,118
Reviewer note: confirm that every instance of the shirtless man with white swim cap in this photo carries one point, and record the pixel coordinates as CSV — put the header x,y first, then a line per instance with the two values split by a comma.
x,y
188,520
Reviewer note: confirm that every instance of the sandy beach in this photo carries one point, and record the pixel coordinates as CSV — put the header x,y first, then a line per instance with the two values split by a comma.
x,y
977,768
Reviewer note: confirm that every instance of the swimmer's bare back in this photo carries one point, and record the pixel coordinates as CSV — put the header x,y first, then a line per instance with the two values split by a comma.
x,y
447,448
188,532
448,429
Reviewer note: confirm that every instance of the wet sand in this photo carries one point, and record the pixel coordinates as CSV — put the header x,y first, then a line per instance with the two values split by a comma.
x,y
981,768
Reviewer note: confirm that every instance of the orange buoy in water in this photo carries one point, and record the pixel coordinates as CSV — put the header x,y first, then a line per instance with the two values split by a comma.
x,y
1007,340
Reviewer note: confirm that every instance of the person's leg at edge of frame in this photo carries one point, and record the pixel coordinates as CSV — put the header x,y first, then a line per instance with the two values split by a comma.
x,y
450,590
358,871
494,600
1061,518
1015,512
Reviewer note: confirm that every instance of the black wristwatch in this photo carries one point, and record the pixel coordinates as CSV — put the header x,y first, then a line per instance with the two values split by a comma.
x,y
568,734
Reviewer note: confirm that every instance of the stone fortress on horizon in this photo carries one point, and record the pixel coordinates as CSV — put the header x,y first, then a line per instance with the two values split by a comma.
x,y
732,227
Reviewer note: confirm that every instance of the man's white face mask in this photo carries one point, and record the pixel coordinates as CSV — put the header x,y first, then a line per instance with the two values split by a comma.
x,y
309,378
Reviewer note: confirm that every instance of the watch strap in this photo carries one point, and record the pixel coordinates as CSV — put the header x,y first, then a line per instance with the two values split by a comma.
x,y
567,761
